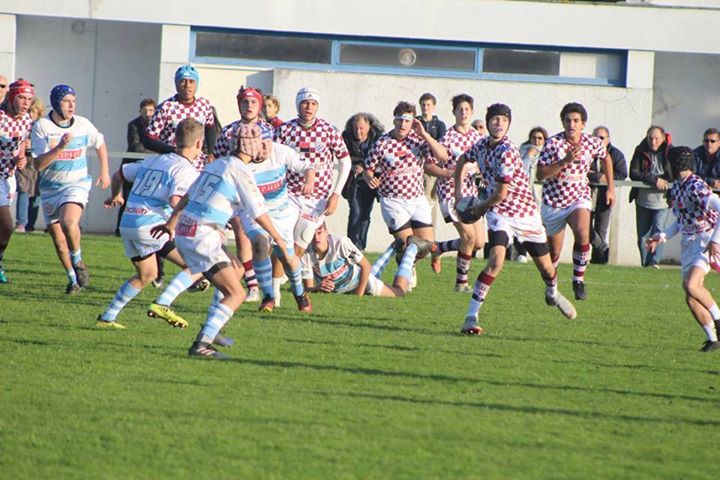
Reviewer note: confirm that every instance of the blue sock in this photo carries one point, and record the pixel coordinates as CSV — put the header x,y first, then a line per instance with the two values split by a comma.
x,y
218,316
381,263
123,296
406,264
75,256
177,285
72,278
296,284
263,270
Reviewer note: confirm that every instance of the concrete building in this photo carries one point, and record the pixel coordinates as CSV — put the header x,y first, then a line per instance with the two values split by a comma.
x,y
631,64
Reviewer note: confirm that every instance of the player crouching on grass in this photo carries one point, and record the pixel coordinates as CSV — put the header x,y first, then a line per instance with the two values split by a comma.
x,y
159,182
696,208
224,187
333,264
511,212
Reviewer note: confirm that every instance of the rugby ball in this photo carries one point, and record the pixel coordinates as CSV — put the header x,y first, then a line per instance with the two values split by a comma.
x,y
464,208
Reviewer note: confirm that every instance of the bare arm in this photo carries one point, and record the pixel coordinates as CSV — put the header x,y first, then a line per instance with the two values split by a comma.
x,y
458,175
104,179
44,160
365,269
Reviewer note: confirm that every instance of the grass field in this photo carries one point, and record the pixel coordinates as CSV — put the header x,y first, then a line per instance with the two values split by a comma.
x,y
363,388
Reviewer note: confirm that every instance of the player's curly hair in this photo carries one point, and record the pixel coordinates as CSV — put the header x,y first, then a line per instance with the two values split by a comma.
x,y
404,107
574,107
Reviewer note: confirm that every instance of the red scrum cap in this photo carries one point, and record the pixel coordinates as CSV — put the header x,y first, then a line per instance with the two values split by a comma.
x,y
18,87
250,92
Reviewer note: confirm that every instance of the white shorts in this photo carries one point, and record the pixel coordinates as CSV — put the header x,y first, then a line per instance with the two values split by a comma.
x,y
692,252
8,187
374,286
555,219
139,243
51,202
525,229
204,250
399,211
284,223
311,214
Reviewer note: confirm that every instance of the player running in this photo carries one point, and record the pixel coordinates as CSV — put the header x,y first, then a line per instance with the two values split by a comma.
x,y
564,164
59,144
458,140
224,187
697,210
510,211
15,125
159,182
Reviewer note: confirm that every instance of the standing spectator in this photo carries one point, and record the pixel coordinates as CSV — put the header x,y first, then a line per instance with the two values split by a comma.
x,y
433,126
28,201
361,131
3,88
650,165
564,165
59,143
530,152
15,124
271,108
479,125
160,132
600,216
707,158
135,136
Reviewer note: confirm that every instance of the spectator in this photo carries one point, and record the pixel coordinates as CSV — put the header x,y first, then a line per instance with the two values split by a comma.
x,y
600,216
28,200
361,131
435,127
479,125
4,84
530,152
650,165
271,108
707,158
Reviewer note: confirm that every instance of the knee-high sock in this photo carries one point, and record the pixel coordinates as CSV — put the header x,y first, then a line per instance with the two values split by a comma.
x,y
462,264
177,285
75,256
448,245
263,270
407,262
123,296
249,275
581,257
381,263
296,285
551,284
482,286
218,316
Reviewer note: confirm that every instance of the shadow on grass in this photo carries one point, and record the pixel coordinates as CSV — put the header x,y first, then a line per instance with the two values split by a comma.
x,y
460,379
533,410
393,347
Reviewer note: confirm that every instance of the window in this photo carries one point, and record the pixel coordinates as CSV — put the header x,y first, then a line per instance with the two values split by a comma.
x,y
444,59
407,56
262,47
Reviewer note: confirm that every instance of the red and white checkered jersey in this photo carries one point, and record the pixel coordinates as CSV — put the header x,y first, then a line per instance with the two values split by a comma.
x,y
171,112
689,203
501,163
13,131
227,140
457,143
399,164
571,183
317,145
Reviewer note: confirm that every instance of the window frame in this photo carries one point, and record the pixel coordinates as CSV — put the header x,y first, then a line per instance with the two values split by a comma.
x,y
337,41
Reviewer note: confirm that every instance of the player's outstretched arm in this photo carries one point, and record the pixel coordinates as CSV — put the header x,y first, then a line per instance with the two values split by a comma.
x,y
438,172
103,180
169,227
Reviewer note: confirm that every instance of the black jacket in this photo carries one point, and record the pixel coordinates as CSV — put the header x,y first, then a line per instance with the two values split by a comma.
x,y
640,166
620,169
359,150
707,168
435,127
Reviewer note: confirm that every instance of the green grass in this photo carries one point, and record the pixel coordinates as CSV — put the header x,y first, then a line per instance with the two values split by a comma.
x,y
363,388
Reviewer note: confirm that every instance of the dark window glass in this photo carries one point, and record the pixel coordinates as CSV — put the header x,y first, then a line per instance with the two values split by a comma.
x,y
262,47
529,62
408,57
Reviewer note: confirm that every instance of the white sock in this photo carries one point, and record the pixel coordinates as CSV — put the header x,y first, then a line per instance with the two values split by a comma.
x,y
714,311
710,332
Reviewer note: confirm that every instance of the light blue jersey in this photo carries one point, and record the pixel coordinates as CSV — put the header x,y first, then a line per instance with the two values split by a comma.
x,y
155,180
224,187
70,168
341,264
270,176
